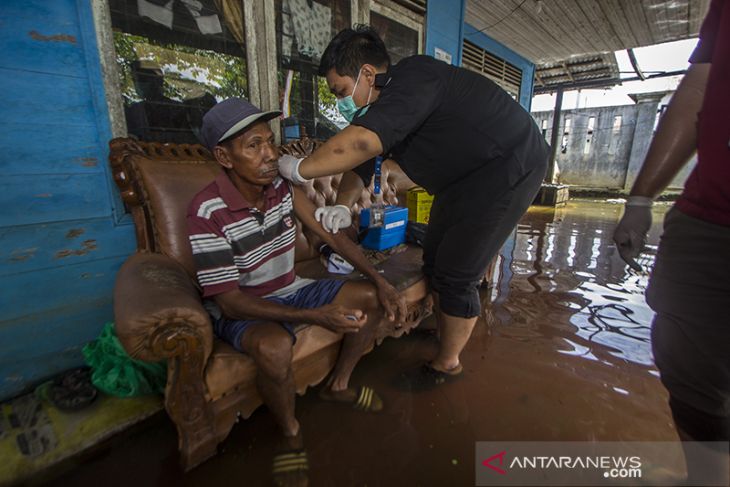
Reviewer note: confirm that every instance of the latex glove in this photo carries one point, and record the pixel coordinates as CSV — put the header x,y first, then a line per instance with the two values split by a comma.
x,y
630,234
333,218
289,169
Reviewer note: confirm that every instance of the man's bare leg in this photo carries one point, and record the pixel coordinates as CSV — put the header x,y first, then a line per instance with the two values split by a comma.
x,y
270,346
357,295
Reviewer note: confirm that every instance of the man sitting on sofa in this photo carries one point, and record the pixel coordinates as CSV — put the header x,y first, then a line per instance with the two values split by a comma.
x,y
242,232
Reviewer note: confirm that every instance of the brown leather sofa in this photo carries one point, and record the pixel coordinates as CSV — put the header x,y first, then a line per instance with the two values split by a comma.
x,y
158,310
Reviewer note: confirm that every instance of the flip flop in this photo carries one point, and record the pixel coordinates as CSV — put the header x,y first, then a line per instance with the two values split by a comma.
x,y
72,390
288,464
366,400
426,378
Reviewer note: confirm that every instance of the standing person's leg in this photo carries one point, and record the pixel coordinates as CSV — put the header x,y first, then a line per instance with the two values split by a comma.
x,y
464,252
689,290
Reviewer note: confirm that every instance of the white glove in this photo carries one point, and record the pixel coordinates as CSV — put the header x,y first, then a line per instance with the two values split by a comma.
x,y
630,234
289,169
333,218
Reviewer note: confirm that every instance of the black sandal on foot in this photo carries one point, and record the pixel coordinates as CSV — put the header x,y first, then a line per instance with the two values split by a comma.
x,y
426,378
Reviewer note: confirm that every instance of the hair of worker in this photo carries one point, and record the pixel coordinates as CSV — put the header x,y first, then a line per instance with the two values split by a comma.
x,y
351,48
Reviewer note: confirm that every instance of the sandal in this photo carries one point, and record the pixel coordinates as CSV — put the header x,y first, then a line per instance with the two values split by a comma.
x,y
72,390
426,378
290,468
366,400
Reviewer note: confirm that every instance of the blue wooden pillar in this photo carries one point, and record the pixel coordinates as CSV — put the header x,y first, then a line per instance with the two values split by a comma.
x,y
445,28
61,241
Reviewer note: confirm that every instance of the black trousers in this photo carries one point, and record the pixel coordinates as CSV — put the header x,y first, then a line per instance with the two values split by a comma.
x,y
470,221
690,290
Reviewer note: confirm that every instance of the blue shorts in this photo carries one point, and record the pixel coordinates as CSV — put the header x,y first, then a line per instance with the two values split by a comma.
x,y
313,295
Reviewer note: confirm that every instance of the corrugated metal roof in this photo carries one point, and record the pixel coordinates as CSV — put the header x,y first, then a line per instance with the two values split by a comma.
x,y
594,69
563,29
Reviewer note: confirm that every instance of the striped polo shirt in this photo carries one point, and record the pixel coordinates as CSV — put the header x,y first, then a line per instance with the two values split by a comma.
x,y
235,246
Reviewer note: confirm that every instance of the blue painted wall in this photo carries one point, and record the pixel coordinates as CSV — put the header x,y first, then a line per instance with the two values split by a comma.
x,y
62,237
445,27
528,68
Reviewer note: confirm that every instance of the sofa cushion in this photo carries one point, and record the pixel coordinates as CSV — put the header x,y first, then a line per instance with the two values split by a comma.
x,y
170,177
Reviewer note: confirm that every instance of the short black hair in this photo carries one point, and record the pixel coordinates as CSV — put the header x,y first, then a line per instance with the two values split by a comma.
x,y
351,48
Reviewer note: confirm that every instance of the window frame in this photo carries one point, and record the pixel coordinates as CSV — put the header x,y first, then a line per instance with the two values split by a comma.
x,y
401,15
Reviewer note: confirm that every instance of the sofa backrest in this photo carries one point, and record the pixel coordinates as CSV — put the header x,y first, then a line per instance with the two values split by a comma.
x,y
158,181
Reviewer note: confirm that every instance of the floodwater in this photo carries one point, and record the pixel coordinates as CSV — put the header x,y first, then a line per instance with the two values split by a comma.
x,y
561,352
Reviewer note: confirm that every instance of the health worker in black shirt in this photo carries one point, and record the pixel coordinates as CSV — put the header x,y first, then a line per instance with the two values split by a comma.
x,y
455,133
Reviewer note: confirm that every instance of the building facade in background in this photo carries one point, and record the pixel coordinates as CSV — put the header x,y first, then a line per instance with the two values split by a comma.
x,y
604,147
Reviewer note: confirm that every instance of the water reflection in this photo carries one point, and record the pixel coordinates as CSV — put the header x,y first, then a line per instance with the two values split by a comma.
x,y
562,261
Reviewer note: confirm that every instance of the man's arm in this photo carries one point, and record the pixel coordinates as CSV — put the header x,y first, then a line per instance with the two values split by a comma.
x,y
673,144
350,190
238,305
391,300
217,274
339,216
342,152
676,137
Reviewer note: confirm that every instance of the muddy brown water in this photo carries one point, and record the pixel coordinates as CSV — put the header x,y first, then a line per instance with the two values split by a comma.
x,y
562,352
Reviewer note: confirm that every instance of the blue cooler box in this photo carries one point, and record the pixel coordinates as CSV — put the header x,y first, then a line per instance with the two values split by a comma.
x,y
392,233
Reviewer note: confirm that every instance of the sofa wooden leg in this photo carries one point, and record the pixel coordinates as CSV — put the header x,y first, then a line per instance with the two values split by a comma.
x,y
185,398
195,448
189,410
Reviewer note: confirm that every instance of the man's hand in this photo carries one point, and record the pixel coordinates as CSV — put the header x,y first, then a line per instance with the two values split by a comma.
x,y
333,218
339,319
630,234
289,168
393,302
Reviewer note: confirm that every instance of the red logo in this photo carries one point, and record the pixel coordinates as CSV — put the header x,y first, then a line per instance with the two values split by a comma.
x,y
500,456
288,221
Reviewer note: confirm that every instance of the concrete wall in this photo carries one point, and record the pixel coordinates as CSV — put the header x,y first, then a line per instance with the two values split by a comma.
x,y
609,151
647,106
63,231
614,156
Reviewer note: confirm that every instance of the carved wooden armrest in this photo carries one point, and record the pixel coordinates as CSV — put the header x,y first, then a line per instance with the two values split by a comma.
x,y
158,312
301,148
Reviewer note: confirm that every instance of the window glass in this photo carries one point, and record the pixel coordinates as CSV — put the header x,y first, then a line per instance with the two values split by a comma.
x,y
304,28
401,41
177,58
